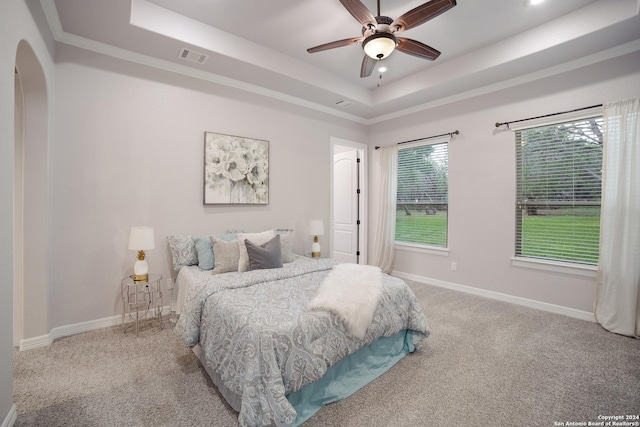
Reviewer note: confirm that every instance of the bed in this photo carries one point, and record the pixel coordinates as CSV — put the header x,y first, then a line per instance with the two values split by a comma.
x,y
274,357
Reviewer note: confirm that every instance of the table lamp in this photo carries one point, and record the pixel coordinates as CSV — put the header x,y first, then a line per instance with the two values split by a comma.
x,y
141,239
316,228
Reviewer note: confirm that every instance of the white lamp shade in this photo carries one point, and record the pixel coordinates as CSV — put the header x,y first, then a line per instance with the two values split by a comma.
x,y
141,238
316,227
379,45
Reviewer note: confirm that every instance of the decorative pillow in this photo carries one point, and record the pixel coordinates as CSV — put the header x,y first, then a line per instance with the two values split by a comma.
x,y
267,255
204,249
257,238
183,251
286,244
227,237
226,255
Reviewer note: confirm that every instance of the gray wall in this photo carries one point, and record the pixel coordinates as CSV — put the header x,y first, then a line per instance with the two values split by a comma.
x,y
128,150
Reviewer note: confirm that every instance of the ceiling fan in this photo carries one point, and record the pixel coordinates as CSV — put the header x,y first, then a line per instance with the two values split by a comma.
x,y
378,33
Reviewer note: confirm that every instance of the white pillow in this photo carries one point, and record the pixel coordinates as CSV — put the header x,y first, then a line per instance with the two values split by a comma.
x,y
286,244
256,238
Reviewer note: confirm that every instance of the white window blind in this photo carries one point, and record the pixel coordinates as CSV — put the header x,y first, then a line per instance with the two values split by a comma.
x,y
422,200
559,183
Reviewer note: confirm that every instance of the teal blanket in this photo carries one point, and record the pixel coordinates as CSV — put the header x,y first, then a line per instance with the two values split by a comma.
x,y
351,374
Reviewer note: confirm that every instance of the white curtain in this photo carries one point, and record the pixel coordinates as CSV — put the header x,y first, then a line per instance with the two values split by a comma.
x,y
617,305
386,159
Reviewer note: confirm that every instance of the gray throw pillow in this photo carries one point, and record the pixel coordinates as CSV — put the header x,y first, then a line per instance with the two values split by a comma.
x,y
258,238
225,254
267,255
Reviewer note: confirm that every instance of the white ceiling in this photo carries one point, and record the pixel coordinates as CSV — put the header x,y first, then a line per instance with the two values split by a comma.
x,y
260,46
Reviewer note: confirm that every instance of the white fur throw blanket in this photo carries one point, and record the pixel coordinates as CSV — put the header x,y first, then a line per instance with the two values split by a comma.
x,y
351,292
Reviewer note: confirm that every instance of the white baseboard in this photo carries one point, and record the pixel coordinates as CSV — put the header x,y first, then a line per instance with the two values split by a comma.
x,y
552,308
10,418
76,328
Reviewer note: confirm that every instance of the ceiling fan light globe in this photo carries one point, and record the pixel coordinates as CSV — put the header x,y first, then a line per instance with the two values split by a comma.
x,y
379,45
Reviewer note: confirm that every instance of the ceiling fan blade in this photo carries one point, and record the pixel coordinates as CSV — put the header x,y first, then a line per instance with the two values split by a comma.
x,y
359,11
421,14
368,64
415,48
337,43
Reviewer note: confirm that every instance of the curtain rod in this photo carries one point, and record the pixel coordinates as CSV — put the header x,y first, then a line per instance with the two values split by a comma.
x,y
455,132
498,124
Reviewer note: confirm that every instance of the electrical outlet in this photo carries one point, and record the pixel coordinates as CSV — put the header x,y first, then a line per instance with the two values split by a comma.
x,y
454,266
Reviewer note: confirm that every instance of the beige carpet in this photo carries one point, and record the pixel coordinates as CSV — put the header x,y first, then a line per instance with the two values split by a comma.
x,y
486,363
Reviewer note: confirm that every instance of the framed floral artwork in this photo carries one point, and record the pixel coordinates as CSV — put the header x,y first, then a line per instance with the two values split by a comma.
x,y
236,170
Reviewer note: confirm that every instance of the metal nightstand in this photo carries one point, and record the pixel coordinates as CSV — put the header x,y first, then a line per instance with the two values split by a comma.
x,y
143,297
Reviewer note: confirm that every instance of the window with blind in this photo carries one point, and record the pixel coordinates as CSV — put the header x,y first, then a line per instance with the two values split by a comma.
x,y
422,199
559,174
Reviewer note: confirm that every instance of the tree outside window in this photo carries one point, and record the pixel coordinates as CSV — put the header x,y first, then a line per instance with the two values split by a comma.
x,y
559,188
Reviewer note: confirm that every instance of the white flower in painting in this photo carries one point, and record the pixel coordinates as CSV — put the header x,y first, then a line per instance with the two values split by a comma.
x,y
259,150
236,167
248,156
216,160
257,172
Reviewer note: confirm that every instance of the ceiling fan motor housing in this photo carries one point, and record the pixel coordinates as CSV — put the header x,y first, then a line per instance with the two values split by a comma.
x,y
383,25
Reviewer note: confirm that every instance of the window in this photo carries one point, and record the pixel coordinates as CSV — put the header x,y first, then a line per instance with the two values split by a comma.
x,y
422,200
559,182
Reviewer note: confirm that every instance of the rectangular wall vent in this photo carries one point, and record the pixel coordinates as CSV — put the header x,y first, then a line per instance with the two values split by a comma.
x,y
193,56
342,103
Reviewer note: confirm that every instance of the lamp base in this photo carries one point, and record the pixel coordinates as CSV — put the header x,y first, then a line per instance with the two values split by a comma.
x,y
140,277
315,248
140,271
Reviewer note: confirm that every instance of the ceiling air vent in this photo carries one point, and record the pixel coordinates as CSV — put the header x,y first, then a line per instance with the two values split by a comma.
x,y
193,56
342,103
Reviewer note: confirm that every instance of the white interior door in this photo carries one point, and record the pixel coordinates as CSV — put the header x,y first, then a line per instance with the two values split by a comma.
x,y
345,206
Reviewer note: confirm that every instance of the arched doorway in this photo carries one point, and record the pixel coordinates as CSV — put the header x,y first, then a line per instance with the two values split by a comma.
x,y
31,199
18,191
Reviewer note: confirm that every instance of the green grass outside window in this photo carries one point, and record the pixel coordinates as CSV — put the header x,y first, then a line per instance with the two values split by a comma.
x,y
550,237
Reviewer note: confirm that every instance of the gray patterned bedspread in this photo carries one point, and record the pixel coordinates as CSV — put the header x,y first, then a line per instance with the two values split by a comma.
x,y
257,334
